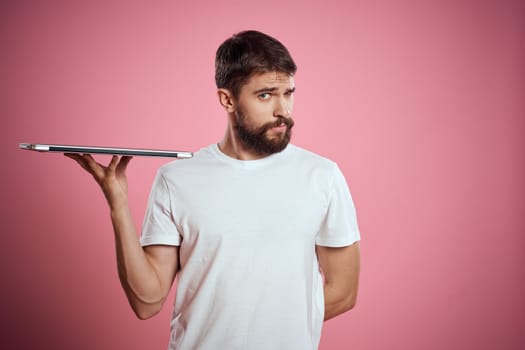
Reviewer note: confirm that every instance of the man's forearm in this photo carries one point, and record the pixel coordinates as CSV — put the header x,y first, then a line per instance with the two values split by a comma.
x,y
137,276
340,267
336,303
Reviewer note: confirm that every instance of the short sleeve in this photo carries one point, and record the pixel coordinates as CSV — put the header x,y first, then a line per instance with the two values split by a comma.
x,y
159,226
339,227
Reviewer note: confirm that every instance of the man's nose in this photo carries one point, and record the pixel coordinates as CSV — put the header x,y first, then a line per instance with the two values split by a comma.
x,y
282,109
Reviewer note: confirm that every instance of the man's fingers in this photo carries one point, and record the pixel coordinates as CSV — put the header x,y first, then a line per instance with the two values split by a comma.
x,y
73,156
79,159
87,162
113,164
90,161
98,170
123,164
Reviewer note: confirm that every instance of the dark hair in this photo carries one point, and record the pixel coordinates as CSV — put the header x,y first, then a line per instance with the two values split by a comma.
x,y
247,53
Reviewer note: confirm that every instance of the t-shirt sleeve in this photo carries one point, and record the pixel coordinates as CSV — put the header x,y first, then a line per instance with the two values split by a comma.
x,y
339,228
159,226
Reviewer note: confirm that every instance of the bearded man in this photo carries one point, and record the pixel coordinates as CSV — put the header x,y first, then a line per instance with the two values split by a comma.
x,y
261,234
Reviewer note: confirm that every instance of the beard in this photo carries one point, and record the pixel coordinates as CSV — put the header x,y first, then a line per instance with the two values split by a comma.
x,y
256,140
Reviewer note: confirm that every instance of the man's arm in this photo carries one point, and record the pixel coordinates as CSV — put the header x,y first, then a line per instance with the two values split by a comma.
x,y
146,274
340,267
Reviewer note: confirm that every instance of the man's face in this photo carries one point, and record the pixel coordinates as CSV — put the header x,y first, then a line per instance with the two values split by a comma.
x,y
263,120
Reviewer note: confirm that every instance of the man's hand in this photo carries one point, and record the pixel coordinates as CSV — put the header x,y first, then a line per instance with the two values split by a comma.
x,y
111,179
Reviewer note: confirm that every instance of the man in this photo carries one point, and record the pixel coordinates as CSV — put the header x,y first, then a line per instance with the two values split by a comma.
x,y
247,224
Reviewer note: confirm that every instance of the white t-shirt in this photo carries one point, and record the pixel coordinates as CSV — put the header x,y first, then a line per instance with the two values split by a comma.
x,y
247,232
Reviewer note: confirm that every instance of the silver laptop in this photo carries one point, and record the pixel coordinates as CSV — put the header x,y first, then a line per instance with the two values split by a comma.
x,y
105,150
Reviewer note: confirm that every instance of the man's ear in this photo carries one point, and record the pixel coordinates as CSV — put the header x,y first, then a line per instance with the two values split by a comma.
x,y
226,100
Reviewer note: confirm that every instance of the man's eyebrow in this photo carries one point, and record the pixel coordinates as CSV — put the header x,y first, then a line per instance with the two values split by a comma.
x,y
265,89
272,89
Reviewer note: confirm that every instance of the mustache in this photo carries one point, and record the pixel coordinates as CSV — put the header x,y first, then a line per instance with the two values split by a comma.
x,y
278,122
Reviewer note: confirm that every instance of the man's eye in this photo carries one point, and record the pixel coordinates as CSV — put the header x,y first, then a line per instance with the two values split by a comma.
x,y
264,96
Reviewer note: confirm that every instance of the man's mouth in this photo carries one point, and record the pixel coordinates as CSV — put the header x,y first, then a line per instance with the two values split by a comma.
x,y
281,126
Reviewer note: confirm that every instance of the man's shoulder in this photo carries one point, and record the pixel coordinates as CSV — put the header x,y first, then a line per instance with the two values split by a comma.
x,y
310,158
200,158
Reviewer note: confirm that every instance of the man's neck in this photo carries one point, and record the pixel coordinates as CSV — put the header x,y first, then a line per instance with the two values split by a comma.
x,y
232,147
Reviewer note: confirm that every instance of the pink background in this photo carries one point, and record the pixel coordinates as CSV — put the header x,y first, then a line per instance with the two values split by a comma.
x,y
420,102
